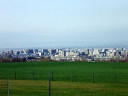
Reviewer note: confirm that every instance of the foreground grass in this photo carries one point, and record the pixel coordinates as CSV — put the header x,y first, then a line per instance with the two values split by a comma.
x,y
61,88
63,75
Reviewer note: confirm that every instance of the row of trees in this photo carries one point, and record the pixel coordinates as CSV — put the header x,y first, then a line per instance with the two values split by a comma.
x,y
28,59
33,59
6,60
113,60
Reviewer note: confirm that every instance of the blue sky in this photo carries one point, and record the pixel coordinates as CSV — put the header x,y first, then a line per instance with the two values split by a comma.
x,y
63,23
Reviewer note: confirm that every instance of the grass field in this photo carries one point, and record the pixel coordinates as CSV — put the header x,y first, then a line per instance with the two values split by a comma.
x,y
69,78
62,88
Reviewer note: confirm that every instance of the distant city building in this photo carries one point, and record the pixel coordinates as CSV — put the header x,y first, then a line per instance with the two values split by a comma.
x,y
105,54
53,52
45,52
36,50
96,52
30,51
62,53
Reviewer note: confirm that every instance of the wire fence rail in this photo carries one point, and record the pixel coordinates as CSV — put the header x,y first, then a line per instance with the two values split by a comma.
x,y
68,76
38,84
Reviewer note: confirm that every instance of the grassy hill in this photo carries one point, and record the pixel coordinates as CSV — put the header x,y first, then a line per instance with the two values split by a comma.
x,y
69,78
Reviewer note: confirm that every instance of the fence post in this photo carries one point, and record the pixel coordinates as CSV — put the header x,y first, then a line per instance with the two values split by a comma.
x,y
8,87
93,77
52,75
33,74
15,75
49,86
115,77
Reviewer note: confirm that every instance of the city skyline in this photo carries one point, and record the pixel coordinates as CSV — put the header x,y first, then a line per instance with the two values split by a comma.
x,y
89,55
58,24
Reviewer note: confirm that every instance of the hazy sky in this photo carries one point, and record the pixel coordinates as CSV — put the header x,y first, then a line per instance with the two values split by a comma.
x,y
63,23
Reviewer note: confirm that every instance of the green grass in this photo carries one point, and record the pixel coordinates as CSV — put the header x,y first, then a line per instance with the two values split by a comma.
x,y
63,88
62,71
64,84
3,87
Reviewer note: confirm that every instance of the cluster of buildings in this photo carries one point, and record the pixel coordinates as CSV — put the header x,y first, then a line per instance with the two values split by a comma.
x,y
76,54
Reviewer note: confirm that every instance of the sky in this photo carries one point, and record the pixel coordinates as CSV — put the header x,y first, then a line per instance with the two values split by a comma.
x,y
63,23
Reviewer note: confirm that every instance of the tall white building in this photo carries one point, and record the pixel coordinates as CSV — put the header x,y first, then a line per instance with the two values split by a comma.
x,y
61,53
95,52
